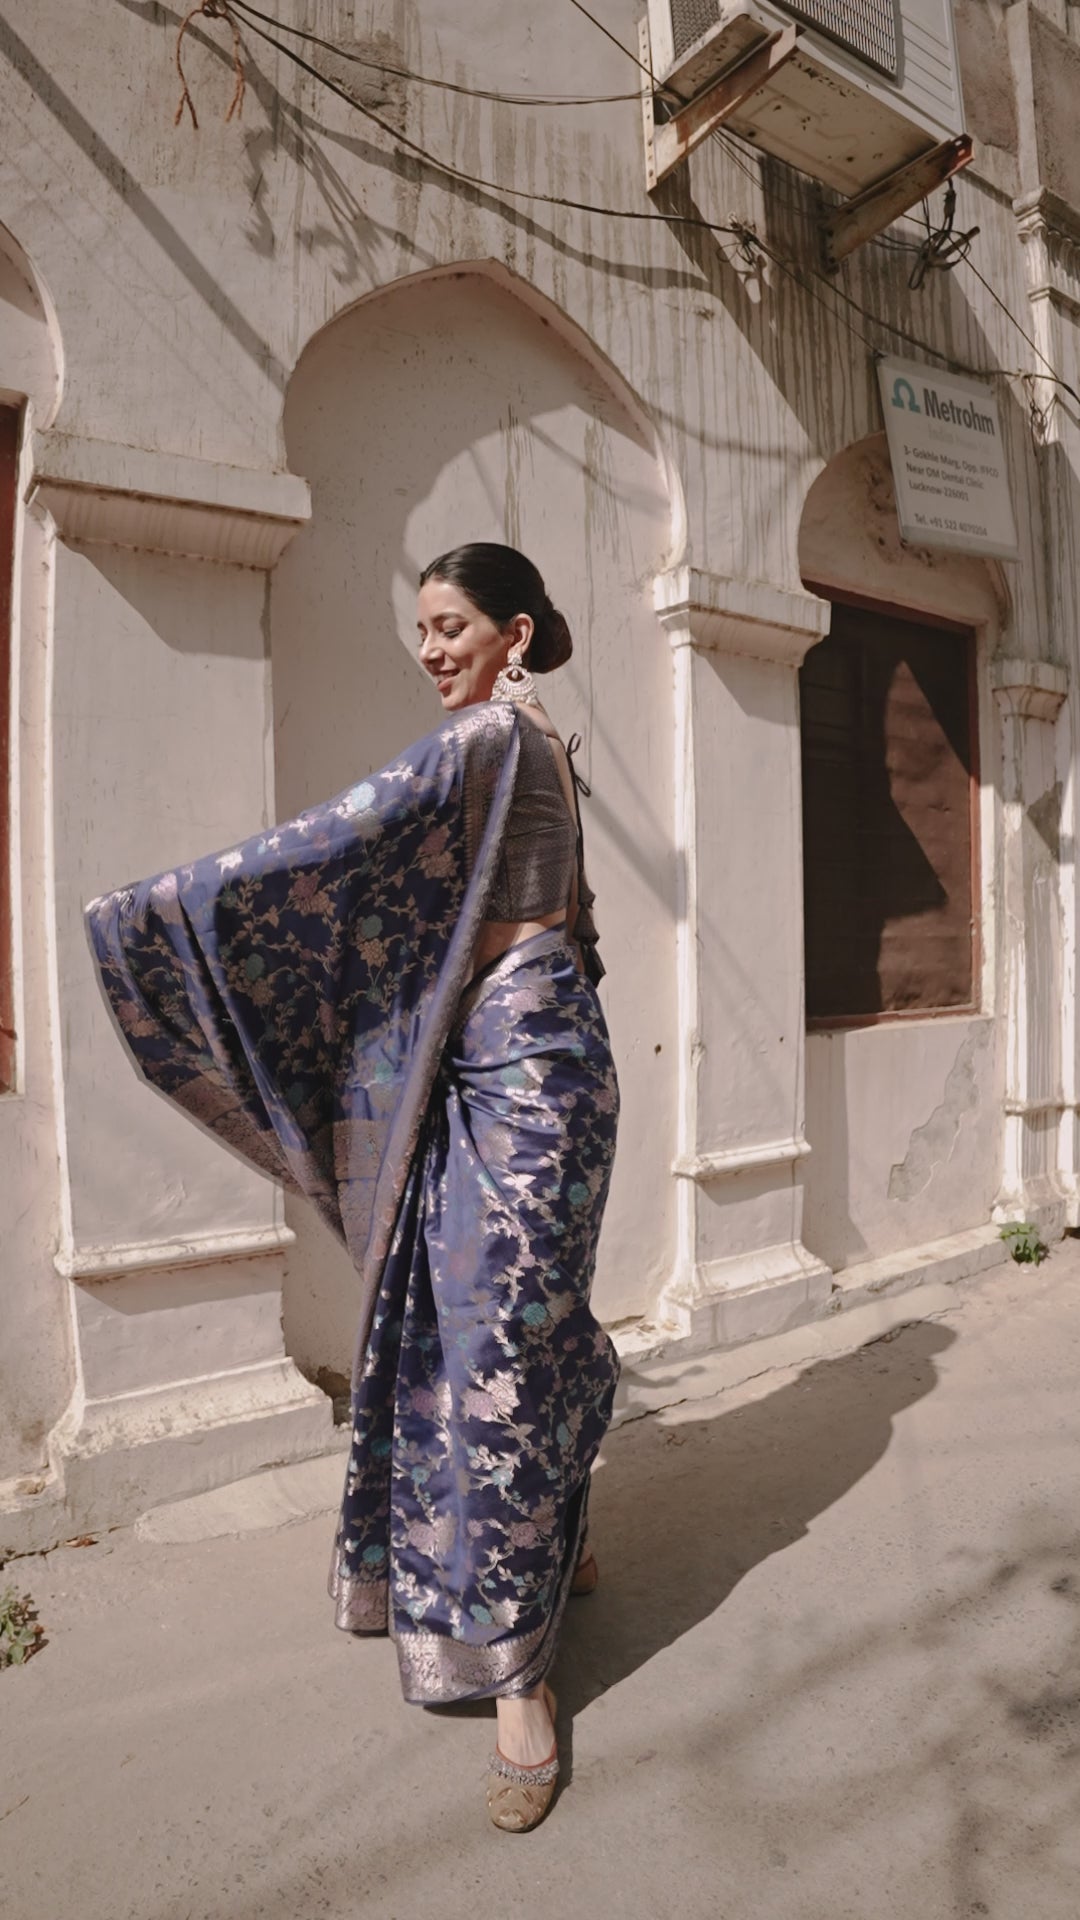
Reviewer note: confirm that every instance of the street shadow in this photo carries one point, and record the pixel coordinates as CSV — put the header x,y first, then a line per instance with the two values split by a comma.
x,y
679,1514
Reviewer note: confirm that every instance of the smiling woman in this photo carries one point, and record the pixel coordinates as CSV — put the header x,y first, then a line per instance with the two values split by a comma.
x,y
482,610
390,1003
460,648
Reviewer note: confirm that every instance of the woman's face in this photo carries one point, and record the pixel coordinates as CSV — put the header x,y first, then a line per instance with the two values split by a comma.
x,y
460,647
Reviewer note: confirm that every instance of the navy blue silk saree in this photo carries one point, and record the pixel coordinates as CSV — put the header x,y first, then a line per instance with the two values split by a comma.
x,y
306,995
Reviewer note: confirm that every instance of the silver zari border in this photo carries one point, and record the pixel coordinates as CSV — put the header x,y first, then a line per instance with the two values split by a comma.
x,y
436,1670
360,1606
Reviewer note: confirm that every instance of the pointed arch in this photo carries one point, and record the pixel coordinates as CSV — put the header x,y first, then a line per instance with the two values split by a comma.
x,y
849,540
458,405
31,351
550,314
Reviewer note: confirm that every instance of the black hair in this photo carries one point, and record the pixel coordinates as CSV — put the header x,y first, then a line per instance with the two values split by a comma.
x,y
503,583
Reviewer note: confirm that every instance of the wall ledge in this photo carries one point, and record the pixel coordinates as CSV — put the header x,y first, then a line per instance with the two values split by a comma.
x,y
111,1460
726,1161
1049,230
198,1250
715,614
1034,689
100,492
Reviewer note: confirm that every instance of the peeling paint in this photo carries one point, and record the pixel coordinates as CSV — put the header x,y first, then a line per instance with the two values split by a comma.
x,y
1045,816
932,1145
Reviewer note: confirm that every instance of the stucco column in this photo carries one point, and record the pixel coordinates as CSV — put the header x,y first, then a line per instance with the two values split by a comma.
x,y
741,1268
170,1251
1049,232
1029,695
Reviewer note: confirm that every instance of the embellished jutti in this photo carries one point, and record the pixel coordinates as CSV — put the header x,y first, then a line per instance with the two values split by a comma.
x,y
306,995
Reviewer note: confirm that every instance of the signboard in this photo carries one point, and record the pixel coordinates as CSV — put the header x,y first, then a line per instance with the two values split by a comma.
x,y
948,461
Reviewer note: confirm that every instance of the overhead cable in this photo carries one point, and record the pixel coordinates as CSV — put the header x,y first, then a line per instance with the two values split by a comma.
x,y
939,242
351,54
451,172
942,248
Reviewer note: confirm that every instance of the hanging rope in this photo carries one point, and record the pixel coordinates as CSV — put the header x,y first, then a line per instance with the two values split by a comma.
x,y
211,10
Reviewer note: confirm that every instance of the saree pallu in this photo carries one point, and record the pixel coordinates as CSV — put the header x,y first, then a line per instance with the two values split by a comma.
x,y
487,1384
294,994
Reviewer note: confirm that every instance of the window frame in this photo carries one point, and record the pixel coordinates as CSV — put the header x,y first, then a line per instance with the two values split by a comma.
x,y
918,616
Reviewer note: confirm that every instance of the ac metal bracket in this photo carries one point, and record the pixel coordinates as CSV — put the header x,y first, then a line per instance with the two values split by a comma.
x,y
859,219
668,142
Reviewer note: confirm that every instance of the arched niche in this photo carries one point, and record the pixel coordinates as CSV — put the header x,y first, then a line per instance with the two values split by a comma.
x,y
31,357
903,1116
449,408
849,540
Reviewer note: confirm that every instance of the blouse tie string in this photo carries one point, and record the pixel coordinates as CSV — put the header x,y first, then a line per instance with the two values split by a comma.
x,y
584,927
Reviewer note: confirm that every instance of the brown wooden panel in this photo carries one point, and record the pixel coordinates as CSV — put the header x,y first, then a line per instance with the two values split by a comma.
x,y
9,447
889,783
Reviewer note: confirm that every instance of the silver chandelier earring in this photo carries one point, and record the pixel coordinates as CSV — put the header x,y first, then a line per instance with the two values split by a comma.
x,y
515,682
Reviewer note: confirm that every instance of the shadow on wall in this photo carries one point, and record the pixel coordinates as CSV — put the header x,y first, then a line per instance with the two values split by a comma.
x,y
446,409
441,411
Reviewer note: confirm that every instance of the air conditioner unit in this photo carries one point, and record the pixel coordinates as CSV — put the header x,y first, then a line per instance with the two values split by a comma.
x,y
869,87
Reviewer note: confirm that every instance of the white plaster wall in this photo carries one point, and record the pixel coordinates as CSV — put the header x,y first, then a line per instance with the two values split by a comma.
x,y
160,717
904,1117
447,410
905,1126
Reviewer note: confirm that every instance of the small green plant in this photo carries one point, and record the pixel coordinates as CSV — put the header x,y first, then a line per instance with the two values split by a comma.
x,y
1024,1243
20,1634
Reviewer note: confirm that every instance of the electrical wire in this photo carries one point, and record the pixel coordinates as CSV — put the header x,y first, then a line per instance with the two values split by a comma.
x,y
934,250
427,80
940,248
658,86
451,172
875,319
753,239
1009,315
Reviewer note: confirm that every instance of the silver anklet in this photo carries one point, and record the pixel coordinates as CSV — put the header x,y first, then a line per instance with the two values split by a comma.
x,y
540,1776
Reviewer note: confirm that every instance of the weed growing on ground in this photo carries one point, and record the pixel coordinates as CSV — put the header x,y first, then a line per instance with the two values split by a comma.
x,y
20,1634
1023,1243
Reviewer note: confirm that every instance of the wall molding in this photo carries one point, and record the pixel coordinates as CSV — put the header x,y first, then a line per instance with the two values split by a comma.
x,y
1049,230
197,1250
1033,689
1027,1108
715,614
100,492
727,1161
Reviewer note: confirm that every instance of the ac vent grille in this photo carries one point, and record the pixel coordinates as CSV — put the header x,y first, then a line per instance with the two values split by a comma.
x,y
690,19
867,28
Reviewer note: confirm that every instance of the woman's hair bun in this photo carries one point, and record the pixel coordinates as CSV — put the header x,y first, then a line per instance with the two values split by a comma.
x,y
503,583
552,643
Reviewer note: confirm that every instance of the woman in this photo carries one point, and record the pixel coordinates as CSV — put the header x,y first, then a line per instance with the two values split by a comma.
x,y
390,1004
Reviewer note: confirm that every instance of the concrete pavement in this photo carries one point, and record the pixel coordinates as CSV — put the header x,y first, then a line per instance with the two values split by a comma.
x,y
832,1673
